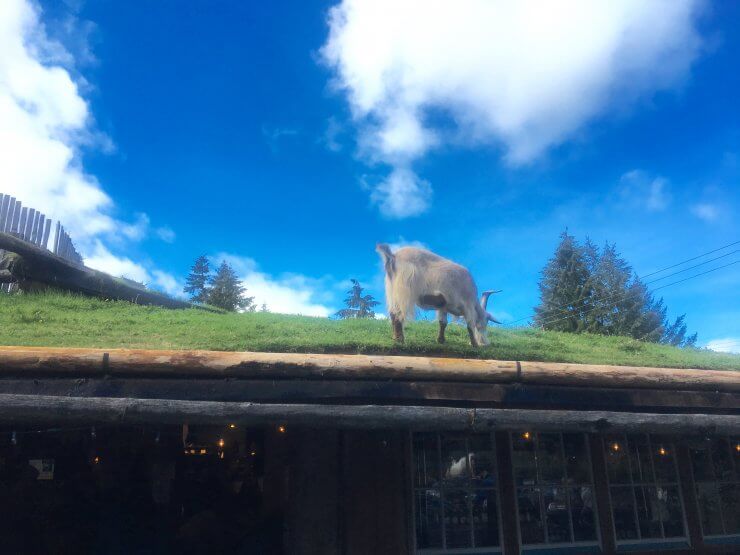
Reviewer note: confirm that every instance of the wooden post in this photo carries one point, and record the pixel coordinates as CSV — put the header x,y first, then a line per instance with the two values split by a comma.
x,y
688,492
601,494
507,495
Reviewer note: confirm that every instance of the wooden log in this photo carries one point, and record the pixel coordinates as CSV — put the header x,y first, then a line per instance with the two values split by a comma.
x,y
37,408
132,362
378,392
40,265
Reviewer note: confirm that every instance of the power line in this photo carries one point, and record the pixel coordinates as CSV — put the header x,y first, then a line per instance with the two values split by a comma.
x,y
509,324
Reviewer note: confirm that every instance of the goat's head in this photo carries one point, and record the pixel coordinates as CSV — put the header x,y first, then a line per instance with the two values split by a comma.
x,y
482,318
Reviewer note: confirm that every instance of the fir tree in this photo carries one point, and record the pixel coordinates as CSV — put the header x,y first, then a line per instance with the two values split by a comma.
x,y
358,305
263,308
196,284
565,287
227,292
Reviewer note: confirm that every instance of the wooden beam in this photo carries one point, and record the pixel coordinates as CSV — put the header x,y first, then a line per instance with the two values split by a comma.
x,y
379,392
32,408
42,266
131,362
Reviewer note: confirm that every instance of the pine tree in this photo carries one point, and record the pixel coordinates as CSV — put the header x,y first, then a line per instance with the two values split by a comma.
x,y
584,289
565,287
263,308
227,292
196,284
358,305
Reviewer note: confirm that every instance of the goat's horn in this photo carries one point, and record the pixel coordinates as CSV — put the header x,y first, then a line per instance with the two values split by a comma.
x,y
492,319
484,297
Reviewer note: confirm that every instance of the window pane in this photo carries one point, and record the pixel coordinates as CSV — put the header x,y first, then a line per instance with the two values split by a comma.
x,y
523,459
485,518
457,518
665,465
701,461
454,461
730,496
426,460
550,458
428,517
671,512
642,468
582,513
530,519
623,511
722,462
481,461
648,512
709,508
576,453
616,459
556,515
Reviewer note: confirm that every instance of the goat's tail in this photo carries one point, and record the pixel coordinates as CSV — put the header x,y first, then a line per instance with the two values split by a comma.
x,y
389,259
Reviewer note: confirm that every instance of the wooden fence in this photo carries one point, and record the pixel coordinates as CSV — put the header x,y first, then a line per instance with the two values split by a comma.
x,y
32,226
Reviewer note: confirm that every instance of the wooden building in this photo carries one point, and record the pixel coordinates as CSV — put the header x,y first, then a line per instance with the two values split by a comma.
x,y
363,454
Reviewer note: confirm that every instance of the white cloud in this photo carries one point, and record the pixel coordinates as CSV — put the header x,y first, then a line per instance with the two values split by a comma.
x,y
638,189
45,122
706,211
167,283
166,234
287,294
725,345
526,75
402,194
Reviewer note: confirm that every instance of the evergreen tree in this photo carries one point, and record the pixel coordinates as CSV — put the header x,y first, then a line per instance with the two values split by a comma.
x,y
565,287
263,308
227,292
358,305
582,289
196,284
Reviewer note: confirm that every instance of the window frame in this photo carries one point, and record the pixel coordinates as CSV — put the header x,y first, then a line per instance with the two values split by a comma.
x,y
413,489
555,546
727,537
661,543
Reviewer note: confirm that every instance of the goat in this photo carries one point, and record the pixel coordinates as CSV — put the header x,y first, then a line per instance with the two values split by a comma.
x,y
418,277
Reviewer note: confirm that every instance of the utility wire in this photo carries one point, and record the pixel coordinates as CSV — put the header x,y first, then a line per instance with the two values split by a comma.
x,y
509,324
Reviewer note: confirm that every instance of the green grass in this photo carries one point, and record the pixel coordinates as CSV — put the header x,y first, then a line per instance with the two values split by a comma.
x,y
62,320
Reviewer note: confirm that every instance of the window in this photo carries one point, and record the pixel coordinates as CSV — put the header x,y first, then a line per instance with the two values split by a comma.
x,y
554,488
643,486
716,466
455,493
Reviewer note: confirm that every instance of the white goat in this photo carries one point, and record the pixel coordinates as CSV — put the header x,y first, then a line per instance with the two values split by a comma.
x,y
417,277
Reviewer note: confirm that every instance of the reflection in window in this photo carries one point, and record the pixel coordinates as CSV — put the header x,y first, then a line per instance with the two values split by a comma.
x,y
716,466
554,488
455,492
643,487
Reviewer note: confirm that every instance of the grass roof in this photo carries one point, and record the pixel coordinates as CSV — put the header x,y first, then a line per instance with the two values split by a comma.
x,y
64,320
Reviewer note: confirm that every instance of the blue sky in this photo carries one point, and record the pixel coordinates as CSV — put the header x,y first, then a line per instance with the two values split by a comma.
x,y
289,138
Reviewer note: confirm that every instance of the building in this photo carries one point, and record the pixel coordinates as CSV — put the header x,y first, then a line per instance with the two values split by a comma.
x,y
361,454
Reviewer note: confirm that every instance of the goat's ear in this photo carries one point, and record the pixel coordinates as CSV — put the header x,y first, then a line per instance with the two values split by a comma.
x,y
484,297
492,319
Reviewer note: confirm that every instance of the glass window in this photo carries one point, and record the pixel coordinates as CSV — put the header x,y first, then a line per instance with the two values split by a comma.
x,y
643,488
554,488
716,466
455,492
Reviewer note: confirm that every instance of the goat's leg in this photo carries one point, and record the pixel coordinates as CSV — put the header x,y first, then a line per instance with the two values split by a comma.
x,y
397,324
442,319
473,340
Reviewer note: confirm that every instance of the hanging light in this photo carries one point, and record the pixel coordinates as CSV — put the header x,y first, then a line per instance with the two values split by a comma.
x,y
526,436
737,447
281,429
616,447
13,439
232,426
93,433
221,442
96,459
662,451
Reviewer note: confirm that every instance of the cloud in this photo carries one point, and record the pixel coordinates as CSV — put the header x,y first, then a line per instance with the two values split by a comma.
x,y
638,189
273,135
706,211
331,135
45,123
402,194
526,76
725,345
287,294
166,234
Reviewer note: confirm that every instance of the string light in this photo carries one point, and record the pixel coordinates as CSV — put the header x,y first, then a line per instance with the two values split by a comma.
x,y
615,447
662,451
526,435
254,453
737,447
221,442
96,459
232,426
281,429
